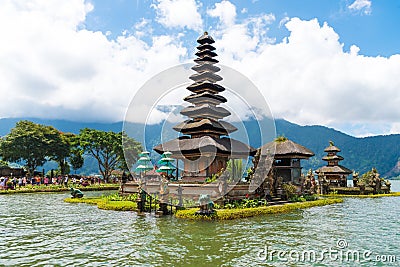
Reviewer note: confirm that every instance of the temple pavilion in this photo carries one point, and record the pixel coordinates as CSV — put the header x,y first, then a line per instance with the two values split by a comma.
x,y
287,156
204,145
334,173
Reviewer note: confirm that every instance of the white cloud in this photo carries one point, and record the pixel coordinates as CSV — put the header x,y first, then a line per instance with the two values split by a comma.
x,y
309,79
225,11
241,39
51,67
395,129
283,21
143,28
178,14
363,6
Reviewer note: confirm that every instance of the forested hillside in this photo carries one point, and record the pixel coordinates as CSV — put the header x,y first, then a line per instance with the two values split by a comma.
x,y
361,154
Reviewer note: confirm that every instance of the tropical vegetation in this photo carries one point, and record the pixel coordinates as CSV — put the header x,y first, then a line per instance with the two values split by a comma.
x,y
59,188
382,152
32,145
111,202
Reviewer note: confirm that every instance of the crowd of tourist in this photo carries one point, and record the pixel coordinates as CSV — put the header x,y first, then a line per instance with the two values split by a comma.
x,y
18,182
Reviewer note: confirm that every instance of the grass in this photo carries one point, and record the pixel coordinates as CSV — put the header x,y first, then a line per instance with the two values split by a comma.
x,y
231,214
117,205
87,200
120,203
59,188
393,194
105,204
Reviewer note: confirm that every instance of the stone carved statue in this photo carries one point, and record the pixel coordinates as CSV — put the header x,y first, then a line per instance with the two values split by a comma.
x,y
323,182
307,184
355,178
164,192
164,186
76,193
206,205
388,184
271,181
313,188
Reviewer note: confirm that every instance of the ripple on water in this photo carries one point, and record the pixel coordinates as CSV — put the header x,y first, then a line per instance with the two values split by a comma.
x,y
42,230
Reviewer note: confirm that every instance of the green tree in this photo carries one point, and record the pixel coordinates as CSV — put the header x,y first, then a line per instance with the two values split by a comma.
x,y
30,144
129,153
3,164
107,149
61,149
76,159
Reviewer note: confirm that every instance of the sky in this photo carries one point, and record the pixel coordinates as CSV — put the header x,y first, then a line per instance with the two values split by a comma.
x,y
334,63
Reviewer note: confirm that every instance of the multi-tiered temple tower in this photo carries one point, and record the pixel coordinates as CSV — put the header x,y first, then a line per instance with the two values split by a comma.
x,y
334,173
204,145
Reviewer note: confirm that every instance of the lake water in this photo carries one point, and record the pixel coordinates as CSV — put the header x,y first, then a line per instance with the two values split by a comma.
x,y
42,230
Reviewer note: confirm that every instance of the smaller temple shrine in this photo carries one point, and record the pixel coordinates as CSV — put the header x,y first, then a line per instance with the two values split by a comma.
x,y
277,163
335,174
287,156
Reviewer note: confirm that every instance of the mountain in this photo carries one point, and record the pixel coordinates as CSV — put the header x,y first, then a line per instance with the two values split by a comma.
x,y
360,154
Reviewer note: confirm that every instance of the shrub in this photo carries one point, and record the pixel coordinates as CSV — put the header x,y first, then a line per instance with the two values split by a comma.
x,y
103,203
290,190
117,205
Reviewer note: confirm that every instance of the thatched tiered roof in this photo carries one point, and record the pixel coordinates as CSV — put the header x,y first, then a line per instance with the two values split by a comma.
x,y
338,169
205,113
205,129
285,148
333,167
219,146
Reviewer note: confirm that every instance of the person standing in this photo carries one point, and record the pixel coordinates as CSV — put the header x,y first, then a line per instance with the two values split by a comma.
x,y
66,181
38,180
20,182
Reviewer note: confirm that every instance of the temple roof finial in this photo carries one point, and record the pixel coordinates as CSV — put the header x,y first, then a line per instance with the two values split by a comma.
x,y
205,39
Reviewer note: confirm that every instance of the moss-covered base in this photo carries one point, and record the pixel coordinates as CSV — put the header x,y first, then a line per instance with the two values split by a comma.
x,y
59,188
393,194
105,204
230,214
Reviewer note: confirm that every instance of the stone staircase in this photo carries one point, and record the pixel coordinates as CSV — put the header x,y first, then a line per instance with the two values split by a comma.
x,y
277,201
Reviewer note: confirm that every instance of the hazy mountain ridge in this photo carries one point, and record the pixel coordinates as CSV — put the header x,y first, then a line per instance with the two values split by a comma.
x,y
360,154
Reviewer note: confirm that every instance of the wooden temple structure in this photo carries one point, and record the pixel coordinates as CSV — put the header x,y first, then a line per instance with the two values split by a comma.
x,y
287,158
204,145
335,174
277,163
